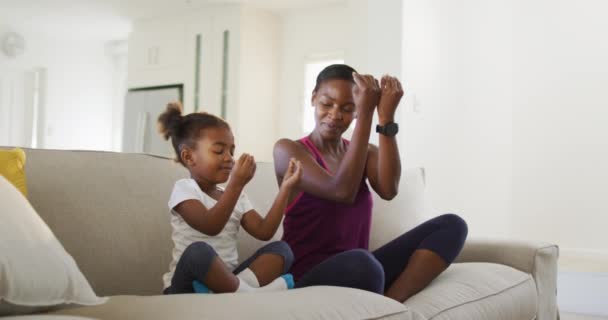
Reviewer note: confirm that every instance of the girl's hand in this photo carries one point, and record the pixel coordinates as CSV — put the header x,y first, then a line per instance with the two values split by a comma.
x,y
243,170
366,93
292,174
391,93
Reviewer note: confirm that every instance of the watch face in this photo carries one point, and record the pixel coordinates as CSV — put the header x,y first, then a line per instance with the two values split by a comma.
x,y
391,129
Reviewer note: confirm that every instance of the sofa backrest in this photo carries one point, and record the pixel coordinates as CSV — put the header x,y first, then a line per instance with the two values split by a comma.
x,y
109,210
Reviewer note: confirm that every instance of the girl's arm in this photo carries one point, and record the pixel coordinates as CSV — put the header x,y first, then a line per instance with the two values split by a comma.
x,y
265,228
213,220
383,163
344,184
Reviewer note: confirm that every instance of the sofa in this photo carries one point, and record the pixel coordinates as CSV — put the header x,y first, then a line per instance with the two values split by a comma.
x,y
109,211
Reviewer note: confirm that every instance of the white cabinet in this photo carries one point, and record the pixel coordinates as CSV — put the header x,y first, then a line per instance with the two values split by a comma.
x,y
189,50
156,53
214,69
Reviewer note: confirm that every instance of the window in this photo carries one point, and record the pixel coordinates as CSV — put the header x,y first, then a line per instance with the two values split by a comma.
x,y
312,69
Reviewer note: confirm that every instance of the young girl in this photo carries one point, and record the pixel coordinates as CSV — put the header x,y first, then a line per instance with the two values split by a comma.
x,y
206,218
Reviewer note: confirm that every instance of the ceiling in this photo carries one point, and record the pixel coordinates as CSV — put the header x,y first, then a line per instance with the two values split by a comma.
x,y
112,19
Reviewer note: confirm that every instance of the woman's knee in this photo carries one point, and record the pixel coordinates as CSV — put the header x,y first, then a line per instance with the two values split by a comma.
x,y
455,223
454,232
367,261
367,269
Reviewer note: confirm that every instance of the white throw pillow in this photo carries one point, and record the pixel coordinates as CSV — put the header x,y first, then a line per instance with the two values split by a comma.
x,y
36,273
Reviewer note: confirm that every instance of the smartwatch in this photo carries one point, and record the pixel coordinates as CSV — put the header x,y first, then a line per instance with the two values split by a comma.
x,y
390,129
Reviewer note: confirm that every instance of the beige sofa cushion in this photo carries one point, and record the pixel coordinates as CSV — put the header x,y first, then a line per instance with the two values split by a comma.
x,y
308,303
478,291
109,210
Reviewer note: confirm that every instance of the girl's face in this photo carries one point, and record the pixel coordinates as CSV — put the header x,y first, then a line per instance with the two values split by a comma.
x,y
334,107
212,160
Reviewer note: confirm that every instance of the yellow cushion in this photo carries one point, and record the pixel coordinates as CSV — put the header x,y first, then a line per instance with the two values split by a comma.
x,y
12,167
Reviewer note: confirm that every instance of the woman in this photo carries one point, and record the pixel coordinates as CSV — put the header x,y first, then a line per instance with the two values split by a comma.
x,y
327,223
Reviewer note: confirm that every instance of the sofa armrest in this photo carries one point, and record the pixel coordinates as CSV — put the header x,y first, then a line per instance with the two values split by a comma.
x,y
536,258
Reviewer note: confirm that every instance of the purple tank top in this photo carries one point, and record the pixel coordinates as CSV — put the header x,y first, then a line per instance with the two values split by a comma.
x,y
317,229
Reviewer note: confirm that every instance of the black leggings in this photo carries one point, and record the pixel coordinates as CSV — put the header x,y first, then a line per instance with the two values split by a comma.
x,y
376,271
196,260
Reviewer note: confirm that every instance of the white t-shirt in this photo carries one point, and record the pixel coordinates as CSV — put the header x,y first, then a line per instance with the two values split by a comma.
x,y
225,243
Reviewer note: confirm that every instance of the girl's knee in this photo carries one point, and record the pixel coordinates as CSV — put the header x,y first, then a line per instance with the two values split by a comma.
x,y
199,251
284,250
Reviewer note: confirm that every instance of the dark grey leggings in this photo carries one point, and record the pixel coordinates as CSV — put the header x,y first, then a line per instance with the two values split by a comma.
x,y
376,271
196,260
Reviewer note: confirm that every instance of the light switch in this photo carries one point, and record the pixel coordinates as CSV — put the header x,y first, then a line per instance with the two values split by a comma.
x,y
416,107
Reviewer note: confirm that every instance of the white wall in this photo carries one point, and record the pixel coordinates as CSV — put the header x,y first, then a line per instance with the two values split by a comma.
x,y
375,35
511,127
78,89
505,106
560,112
366,33
257,100
457,67
307,34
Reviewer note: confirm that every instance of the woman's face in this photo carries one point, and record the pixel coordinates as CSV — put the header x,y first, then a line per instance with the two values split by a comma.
x,y
334,107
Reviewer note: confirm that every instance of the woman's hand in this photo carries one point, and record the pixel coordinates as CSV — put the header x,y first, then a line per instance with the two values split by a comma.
x,y
390,95
243,170
292,174
366,93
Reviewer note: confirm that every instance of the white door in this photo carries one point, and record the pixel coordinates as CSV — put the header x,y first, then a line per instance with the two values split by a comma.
x,y
17,111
